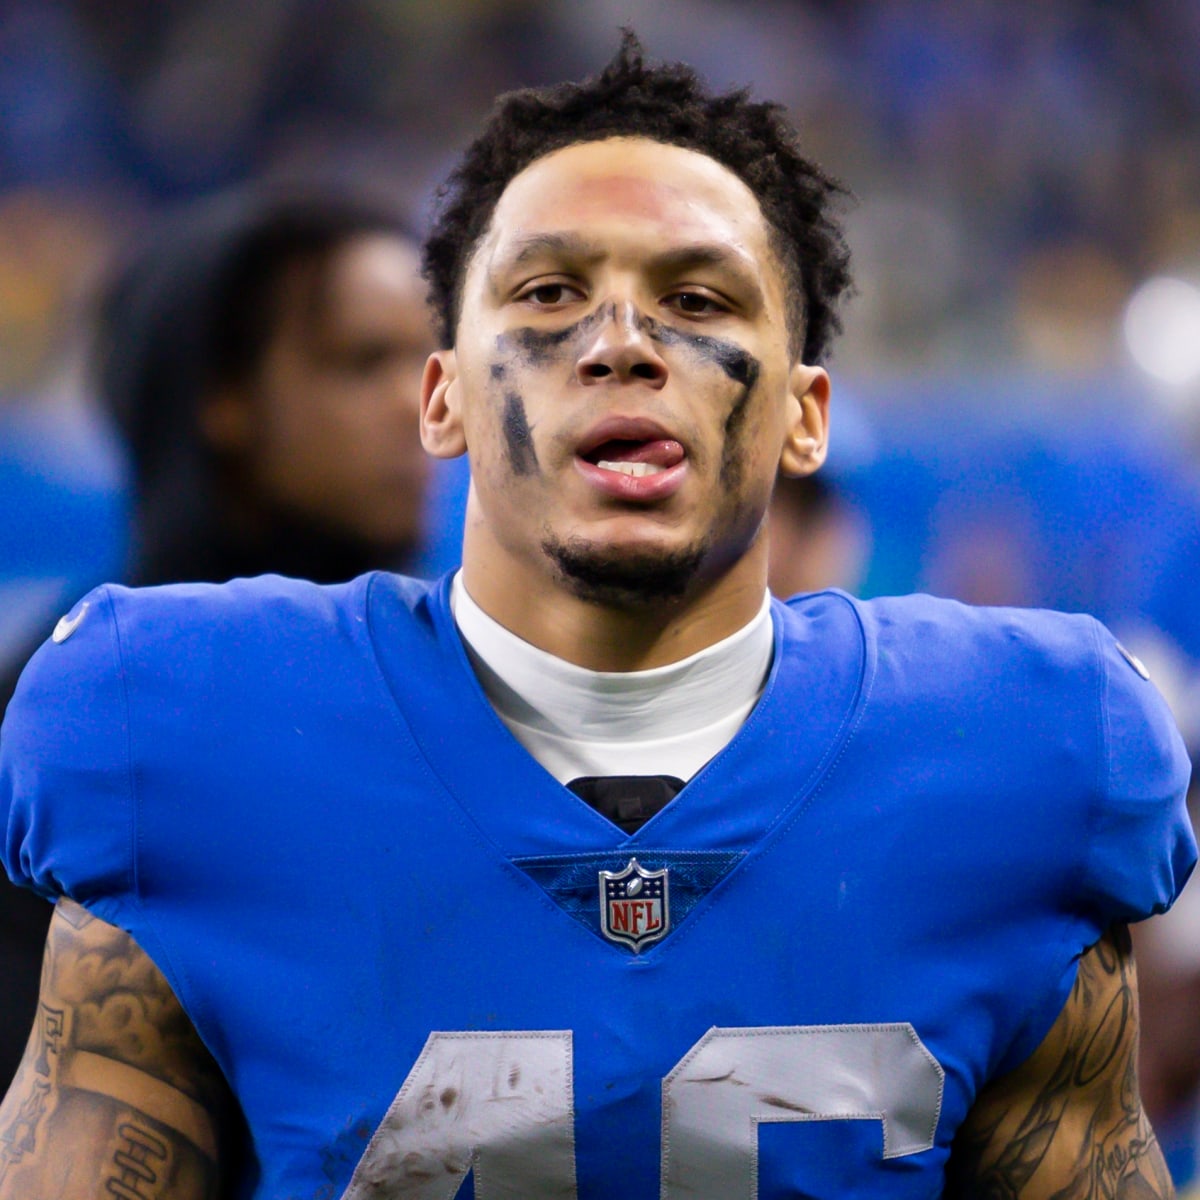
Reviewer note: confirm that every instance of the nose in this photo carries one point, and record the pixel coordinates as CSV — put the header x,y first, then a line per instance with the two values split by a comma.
x,y
621,350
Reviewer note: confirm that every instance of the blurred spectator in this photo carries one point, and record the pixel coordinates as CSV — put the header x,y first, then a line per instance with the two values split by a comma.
x,y
262,359
261,356
818,539
819,533
990,142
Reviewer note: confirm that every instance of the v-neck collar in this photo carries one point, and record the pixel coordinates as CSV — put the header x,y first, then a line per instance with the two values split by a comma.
x,y
807,708
578,722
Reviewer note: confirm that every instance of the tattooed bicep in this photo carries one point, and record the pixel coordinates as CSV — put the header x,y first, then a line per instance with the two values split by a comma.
x,y
115,1080
1069,1122
120,1004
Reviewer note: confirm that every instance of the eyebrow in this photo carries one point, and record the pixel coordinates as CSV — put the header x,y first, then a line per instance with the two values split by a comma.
x,y
556,245
579,249
685,258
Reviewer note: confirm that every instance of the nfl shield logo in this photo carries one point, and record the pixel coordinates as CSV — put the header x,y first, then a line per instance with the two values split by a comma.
x,y
633,905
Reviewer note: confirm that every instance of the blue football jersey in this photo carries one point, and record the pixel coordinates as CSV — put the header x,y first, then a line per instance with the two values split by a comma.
x,y
428,969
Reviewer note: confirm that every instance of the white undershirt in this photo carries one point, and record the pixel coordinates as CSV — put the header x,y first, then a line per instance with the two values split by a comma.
x,y
665,721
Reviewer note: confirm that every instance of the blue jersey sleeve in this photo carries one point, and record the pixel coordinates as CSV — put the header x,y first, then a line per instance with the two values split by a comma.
x,y
1142,847
66,810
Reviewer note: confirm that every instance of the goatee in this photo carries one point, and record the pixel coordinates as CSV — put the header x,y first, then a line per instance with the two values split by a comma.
x,y
623,578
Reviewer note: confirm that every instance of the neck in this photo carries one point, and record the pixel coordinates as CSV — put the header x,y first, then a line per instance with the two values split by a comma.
x,y
528,599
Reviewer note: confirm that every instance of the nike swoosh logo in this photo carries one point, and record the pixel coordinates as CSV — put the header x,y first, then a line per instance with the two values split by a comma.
x,y
67,625
1135,662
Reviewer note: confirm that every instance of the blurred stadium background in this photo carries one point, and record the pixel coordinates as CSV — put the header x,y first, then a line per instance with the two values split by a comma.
x,y
1017,396
1018,390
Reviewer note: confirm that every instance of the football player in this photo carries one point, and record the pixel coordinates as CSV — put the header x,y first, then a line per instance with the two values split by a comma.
x,y
591,870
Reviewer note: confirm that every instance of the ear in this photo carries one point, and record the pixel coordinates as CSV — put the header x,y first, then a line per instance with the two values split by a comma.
x,y
226,421
808,421
441,420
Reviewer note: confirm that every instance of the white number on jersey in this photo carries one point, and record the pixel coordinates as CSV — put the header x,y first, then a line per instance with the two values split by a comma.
x,y
503,1104
734,1079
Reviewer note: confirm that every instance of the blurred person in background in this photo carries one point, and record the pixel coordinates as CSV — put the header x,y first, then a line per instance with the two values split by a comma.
x,y
819,532
261,355
818,539
262,359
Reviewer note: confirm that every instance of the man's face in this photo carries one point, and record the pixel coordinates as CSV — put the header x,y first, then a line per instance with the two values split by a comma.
x,y
621,375
327,428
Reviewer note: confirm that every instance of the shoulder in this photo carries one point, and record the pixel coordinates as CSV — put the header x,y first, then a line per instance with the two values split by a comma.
x,y
192,627
1039,639
1053,701
1016,655
116,634
1065,665
162,614
75,674
136,685
63,744
926,656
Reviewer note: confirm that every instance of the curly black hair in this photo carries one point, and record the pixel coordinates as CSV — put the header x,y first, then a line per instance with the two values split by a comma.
x,y
666,103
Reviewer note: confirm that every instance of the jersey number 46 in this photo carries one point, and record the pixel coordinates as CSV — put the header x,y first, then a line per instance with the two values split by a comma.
x,y
501,1103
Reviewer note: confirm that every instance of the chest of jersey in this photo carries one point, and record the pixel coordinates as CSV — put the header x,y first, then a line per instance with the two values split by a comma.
x,y
464,1021
411,990
427,967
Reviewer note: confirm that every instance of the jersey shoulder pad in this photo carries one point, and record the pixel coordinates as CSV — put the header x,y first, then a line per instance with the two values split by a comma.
x,y
1143,846
65,804
1083,716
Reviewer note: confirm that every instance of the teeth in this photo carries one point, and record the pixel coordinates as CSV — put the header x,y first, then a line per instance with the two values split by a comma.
x,y
631,468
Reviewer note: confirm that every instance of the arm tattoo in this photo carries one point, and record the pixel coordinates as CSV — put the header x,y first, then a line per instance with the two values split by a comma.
x,y
116,1093
1069,1123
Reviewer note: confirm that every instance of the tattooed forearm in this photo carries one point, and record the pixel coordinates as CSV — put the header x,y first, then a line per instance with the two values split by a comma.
x,y
116,1097
1069,1124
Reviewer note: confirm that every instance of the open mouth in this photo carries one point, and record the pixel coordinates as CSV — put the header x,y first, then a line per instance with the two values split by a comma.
x,y
636,457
